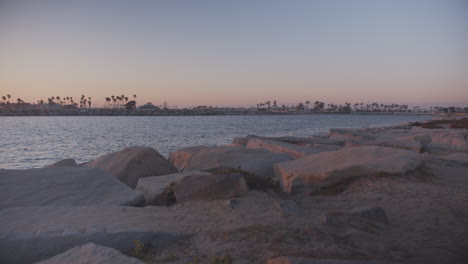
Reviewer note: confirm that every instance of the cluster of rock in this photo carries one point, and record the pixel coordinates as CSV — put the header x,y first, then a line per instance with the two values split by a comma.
x,y
57,210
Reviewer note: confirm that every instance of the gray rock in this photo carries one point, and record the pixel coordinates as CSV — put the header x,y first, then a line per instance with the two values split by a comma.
x,y
326,147
210,187
415,146
459,157
352,134
91,254
454,137
133,163
446,141
423,138
240,141
310,174
303,141
64,186
445,149
258,162
281,147
30,234
181,158
64,163
155,189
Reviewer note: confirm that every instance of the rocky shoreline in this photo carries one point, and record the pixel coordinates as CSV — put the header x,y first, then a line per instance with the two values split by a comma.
x,y
375,195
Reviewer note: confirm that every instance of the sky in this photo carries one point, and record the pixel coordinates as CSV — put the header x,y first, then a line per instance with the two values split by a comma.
x,y
237,53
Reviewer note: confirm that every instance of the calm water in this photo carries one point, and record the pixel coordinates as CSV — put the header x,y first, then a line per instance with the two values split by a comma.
x,y
29,142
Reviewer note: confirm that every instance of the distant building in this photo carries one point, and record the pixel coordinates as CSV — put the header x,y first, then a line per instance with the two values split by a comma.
x,y
69,107
148,107
18,106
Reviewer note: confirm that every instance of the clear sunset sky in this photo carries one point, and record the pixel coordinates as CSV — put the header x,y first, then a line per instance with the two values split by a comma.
x,y
237,53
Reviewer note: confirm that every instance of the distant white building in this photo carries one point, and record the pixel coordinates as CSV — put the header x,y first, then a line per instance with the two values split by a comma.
x,y
148,107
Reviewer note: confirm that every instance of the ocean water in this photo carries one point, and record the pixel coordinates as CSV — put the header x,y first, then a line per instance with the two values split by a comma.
x,y
31,142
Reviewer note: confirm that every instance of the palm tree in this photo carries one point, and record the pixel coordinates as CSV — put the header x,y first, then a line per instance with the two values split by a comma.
x,y
107,101
89,102
316,106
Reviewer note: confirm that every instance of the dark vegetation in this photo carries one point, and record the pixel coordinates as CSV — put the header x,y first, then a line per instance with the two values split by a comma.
x,y
440,124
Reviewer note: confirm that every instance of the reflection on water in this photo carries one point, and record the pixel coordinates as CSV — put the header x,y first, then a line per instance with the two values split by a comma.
x,y
29,142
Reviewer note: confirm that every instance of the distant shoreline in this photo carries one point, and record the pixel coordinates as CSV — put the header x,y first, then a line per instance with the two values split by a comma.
x,y
208,113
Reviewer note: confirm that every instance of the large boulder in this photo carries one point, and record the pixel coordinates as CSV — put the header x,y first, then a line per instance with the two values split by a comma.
x,y
423,138
446,141
326,147
459,157
281,147
414,142
30,234
133,163
181,157
445,149
298,141
351,134
210,187
64,186
158,189
240,141
258,162
91,253
455,137
310,174
415,146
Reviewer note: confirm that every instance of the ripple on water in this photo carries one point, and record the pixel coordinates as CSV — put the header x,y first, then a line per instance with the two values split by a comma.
x,y
30,142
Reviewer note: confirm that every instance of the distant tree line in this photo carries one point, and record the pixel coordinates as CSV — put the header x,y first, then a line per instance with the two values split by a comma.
x,y
124,102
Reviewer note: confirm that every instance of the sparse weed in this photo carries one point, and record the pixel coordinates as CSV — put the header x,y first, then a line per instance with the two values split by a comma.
x,y
139,247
